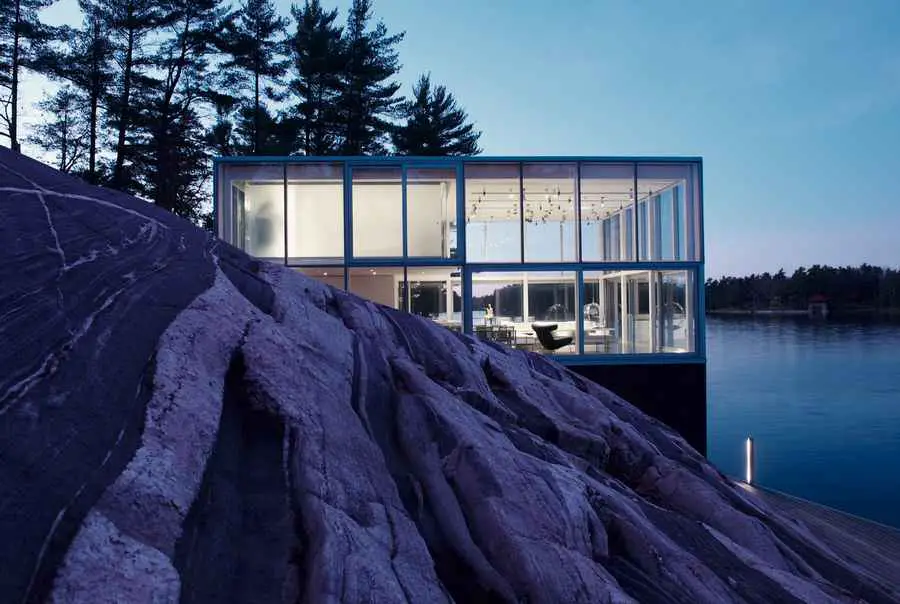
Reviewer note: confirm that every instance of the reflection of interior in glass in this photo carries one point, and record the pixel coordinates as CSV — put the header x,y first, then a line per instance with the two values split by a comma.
x,y
537,310
436,293
377,202
664,209
637,312
431,212
607,212
257,203
493,229
674,320
607,201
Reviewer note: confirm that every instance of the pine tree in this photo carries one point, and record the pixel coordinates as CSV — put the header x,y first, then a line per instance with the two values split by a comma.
x,y
131,23
368,98
252,40
170,158
221,137
434,124
316,54
21,35
65,133
250,119
85,62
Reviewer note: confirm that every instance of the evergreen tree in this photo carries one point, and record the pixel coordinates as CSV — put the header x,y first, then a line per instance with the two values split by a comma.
x,y
65,133
21,35
368,98
221,137
170,158
434,124
131,23
88,67
252,39
250,119
85,62
316,54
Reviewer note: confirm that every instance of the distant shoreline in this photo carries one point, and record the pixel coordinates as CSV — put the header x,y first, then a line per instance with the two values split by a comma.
x,y
762,312
836,313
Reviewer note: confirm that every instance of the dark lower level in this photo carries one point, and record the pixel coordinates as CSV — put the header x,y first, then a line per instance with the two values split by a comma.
x,y
673,393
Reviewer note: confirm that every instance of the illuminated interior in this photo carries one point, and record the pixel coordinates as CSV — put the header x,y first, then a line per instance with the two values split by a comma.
x,y
570,258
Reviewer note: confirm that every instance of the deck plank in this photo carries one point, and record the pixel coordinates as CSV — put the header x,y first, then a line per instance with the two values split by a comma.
x,y
872,546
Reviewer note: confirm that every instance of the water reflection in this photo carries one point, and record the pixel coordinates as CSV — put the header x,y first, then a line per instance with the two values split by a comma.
x,y
822,400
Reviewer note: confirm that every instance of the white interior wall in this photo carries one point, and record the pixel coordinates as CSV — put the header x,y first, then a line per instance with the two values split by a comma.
x,y
332,280
315,220
378,288
377,220
427,206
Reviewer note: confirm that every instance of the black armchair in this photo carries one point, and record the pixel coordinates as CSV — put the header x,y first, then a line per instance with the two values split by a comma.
x,y
545,336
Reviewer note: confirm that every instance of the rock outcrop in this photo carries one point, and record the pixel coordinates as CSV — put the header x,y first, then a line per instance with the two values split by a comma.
x,y
179,422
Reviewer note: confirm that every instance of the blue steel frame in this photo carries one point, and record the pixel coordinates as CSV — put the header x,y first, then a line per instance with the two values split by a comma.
x,y
695,267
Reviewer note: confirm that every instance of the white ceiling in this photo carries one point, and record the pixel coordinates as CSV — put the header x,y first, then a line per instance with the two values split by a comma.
x,y
490,200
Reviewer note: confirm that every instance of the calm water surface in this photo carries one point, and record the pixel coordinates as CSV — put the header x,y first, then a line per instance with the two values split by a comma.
x,y
822,401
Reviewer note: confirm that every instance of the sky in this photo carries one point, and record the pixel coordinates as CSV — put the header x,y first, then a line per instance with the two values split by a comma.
x,y
794,105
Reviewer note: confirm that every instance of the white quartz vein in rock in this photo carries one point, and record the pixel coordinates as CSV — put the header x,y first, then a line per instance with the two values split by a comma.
x,y
108,204
53,358
182,417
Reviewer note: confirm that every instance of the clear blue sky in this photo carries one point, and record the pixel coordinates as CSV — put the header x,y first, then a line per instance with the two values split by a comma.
x,y
794,105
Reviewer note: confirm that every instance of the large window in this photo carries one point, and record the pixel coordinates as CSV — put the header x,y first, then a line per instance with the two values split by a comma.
x,y
257,209
550,218
553,303
616,312
638,312
537,310
607,199
675,311
431,212
668,219
436,293
315,196
493,225
377,202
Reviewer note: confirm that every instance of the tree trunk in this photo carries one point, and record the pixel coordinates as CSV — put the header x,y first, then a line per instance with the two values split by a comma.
x,y
92,150
65,143
13,123
124,111
95,92
256,113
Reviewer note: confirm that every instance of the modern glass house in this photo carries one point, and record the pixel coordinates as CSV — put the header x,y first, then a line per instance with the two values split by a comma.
x,y
595,261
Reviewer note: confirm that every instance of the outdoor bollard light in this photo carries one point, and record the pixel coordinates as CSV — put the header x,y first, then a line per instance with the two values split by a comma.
x,y
751,470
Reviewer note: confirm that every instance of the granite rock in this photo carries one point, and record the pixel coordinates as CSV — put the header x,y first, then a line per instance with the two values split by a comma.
x,y
180,422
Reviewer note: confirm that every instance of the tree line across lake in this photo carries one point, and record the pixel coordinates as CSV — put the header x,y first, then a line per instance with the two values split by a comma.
x,y
846,289
150,90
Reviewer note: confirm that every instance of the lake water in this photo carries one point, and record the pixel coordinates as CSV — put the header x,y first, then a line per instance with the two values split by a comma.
x,y
822,401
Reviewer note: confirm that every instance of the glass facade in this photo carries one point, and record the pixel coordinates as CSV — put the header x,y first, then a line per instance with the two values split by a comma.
x,y
585,259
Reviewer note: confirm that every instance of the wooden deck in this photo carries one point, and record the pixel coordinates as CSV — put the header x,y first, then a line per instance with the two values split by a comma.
x,y
870,545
